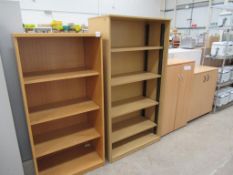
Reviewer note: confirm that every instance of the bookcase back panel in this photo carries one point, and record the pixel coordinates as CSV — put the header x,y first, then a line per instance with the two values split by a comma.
x,y
48,54
127,62
153,61
127,140
67,155
92,53
44,128
125,117
125,92
54,92
151,91
95,119
127,33
66,130
154,33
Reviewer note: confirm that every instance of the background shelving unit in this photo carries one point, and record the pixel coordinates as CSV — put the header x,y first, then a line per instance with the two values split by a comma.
x,y
220,62
62,87
135,55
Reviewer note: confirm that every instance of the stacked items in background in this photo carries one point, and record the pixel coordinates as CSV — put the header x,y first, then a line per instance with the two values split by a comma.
x,y
225,74
225,95
221,50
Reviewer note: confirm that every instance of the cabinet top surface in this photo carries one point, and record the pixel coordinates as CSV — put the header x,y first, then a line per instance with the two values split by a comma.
x,y
202,69
175,61
63,34
123,17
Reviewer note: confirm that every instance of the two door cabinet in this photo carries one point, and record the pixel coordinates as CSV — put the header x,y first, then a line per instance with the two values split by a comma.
x,y
174,113
202,92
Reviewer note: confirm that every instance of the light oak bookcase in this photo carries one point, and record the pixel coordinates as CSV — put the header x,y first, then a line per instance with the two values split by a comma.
x,y
135,57
62,86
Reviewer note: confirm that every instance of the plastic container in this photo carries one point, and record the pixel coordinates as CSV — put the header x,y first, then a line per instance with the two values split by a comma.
x,y
221,49
231,69
224,75
222,97
230,91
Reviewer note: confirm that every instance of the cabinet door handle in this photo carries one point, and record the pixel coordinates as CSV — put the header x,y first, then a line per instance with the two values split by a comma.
x,y
204,79
179,77
208,77
182,77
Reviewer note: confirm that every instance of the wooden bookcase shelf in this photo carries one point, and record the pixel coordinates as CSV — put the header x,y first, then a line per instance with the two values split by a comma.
x,y
59,112
130,127
135,55
40,77
130,145
127,106
132,77
61,79
130,49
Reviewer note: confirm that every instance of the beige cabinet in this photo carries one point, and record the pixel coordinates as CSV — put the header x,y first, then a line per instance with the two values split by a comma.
x,y
178,81
202,91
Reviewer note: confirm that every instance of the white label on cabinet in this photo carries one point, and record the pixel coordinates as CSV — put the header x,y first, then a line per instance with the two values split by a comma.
x,y
187,67
97,34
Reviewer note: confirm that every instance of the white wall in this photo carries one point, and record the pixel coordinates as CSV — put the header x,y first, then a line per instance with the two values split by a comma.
x,y
33,11
78,11
200,15
10,160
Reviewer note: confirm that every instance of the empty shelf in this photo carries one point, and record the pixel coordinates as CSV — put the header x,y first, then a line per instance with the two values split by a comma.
x,y
128,49
131,127
54,75
132,77
63,140
70,163
62,112
133,145
132,105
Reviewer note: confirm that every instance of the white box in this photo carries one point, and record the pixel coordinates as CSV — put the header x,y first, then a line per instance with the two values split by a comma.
x,y
230,68
224,75
222,97
230,91
225,19
221,49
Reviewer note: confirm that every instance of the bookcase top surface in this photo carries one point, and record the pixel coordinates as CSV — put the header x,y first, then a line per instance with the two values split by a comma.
x,y
31,35
125,17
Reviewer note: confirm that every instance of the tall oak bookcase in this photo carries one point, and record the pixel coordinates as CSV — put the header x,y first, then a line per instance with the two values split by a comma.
x,y
62,88
135,58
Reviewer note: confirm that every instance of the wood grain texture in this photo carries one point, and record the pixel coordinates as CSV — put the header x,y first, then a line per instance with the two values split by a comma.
x,y
124,57
63,139
132,77
76,160
130,127
131,105
184,95
170,100
130,49
62,112
62,87
177,96
202,91
41,77
134,145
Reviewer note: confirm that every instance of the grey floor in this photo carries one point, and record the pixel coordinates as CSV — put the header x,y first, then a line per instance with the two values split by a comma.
x,y
203,147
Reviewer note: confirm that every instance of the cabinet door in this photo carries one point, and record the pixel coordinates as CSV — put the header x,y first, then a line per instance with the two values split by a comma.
x,y
209,91
168,108
185,83
202,93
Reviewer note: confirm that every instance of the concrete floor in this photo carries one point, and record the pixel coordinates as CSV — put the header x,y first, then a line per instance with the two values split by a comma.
x,y
204,147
